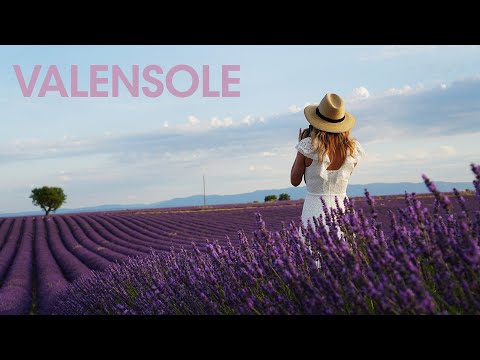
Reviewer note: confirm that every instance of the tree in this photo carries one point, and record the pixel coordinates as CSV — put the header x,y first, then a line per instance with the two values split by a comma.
x,y
48,198
284,197
270,198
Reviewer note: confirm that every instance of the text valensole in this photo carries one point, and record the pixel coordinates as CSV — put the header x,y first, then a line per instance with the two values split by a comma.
x,y
148,74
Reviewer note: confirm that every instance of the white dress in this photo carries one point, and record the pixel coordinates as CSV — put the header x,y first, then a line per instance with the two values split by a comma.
x,y
323,182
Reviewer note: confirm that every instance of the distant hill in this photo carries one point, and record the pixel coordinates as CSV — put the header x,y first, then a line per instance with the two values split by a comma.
x,y
295,193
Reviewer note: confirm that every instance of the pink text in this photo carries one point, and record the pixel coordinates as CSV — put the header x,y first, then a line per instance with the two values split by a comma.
x,y
106,81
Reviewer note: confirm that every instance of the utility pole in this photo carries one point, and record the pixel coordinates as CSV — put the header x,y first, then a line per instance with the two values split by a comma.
x,y
204,198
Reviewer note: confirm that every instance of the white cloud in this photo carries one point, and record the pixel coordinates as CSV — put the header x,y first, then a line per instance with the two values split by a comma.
x,y
217,122
65,178
192,120
421,155
165,124
361,93
402,91
294,108
392,51
251,168
443,86
249,119
405,90
268,154
449,150
228,121
266,167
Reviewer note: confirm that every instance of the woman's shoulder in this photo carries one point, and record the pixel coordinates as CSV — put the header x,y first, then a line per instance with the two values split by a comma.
x,y
305,147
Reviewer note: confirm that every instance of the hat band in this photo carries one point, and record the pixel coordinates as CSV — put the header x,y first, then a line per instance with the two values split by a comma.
x,y
328,119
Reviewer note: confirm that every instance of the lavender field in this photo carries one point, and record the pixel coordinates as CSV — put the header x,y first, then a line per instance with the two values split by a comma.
x,y
40,258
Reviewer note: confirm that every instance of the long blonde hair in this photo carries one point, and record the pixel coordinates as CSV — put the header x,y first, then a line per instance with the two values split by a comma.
x,y
333,144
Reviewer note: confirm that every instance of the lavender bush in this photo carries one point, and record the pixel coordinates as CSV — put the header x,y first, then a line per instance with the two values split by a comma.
x,y
429,263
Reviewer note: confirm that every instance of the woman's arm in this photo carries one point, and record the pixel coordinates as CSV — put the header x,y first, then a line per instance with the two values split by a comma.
x,y
298,169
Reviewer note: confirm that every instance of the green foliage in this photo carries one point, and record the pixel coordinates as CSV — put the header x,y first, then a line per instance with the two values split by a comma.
x,y
284,197
48,198
270,198
256,202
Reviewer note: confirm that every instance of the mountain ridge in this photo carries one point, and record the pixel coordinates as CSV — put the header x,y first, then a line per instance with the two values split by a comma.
x,y
353,190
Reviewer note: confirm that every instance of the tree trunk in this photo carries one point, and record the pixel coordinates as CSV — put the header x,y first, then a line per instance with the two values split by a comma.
x,y
47,211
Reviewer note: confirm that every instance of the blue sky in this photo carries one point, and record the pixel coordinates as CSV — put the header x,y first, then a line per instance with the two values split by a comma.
x,y
417,110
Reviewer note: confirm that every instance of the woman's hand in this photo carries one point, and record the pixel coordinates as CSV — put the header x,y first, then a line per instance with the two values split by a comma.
x,y
302,134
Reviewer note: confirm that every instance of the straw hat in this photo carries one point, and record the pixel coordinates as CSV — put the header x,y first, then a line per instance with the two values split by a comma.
x,y
330,115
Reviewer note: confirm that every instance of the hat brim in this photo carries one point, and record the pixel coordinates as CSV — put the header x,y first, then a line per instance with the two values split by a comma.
x,y
347,124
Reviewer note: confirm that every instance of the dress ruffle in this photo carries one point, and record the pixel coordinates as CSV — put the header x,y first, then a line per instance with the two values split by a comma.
x,y
305,147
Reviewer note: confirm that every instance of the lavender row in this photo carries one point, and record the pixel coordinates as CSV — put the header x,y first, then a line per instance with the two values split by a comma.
x,y
128,236
91,259
92,241
165,234
16,289
50,279
10,247
106,238
5,228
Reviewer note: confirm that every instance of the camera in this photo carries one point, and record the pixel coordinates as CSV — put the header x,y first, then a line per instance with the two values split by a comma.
x,y
306,132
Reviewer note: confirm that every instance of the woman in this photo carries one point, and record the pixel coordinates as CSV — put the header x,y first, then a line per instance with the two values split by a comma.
x,y
326,155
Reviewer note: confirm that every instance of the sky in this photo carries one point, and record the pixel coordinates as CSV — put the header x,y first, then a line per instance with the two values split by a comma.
x,y
417,110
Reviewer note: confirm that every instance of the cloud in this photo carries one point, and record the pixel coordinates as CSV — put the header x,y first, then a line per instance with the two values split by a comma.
x,y
361,93
294,108
165,124
263,168
407,89
449,150
249,119
268,154
251,152
421,155
420,112
217,122
393,51
192,120
403,134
